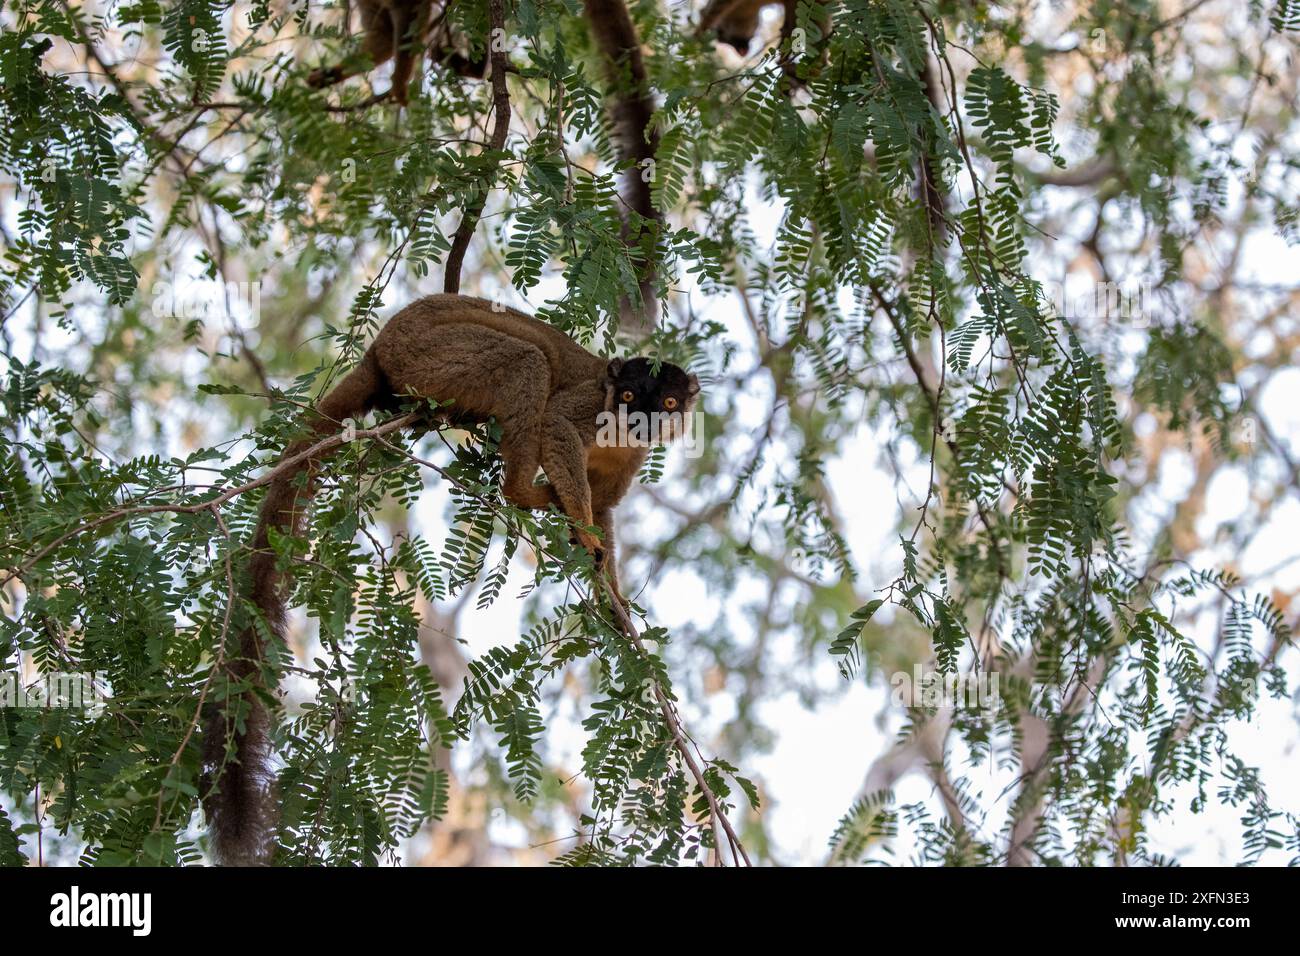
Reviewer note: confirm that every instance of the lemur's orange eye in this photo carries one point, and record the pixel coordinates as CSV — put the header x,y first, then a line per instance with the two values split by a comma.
x,y
627,395
670,403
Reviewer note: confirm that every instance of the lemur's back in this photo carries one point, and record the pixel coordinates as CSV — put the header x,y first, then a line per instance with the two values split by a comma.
x,y
570,363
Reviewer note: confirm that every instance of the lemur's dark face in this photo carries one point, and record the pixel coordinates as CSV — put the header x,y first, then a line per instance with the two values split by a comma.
x,y
737,41
738,26
664,399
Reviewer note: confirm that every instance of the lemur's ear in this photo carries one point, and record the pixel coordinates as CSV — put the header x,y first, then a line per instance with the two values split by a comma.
x,y
693,385
614,368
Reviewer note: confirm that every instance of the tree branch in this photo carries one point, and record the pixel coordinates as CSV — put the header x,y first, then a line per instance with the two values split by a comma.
x,y
681,742
501,110
638,141
287,464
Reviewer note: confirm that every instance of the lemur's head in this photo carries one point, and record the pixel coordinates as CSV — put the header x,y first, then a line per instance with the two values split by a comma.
x,y
734,22
659,399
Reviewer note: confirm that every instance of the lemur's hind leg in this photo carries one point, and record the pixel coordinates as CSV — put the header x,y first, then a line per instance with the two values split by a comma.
x,y
483,373
409,27
521,434
564,460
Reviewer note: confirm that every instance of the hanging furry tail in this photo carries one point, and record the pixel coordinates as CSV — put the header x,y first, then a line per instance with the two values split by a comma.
x,y
238,783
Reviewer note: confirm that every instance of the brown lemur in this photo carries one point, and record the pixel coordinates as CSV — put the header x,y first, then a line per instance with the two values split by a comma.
x,y
734,22
547,394
404,29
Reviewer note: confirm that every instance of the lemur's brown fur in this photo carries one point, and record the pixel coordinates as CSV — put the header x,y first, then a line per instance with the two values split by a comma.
x,y
405,29
633,105
734,22
544,390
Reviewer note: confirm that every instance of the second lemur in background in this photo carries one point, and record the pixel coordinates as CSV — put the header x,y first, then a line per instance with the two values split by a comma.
x,y
734,22
405,30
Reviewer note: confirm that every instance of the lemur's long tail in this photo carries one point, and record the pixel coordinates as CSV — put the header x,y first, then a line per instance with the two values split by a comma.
x,y
238,782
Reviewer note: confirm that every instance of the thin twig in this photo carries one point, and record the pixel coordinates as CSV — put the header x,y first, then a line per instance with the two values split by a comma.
x,y
680,741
